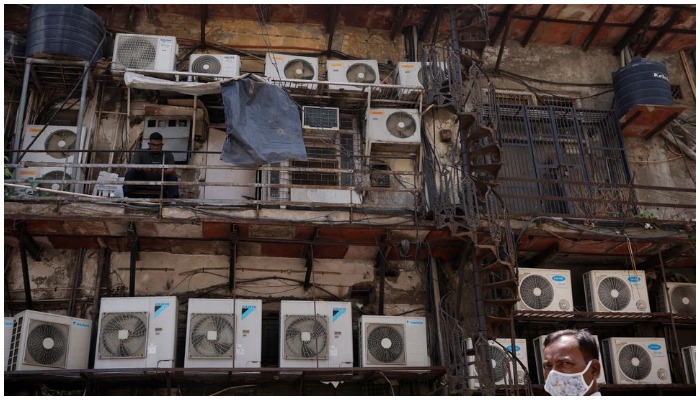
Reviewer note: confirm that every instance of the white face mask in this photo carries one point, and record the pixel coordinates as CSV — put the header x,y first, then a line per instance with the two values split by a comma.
x,y
561,384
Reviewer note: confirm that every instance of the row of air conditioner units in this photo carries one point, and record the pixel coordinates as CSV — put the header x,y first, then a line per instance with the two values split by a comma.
x,y
605,291
141,332
624,360
159,53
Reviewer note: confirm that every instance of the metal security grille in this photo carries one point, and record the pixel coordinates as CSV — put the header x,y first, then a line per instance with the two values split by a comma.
x,y
561,160
326,118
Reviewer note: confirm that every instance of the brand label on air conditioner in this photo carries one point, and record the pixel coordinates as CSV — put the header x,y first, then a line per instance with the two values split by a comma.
x,y
414,322
81,324
159,308
246,311
558,278
656,350
634,279
408,66
9,323
660,75
337,312
510,348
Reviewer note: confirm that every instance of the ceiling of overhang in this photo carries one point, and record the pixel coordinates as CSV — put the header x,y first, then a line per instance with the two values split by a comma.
x,y
645,28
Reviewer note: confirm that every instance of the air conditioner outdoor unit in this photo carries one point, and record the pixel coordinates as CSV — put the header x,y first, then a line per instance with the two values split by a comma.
x,y
280,67
137,332
9,324
176,133
325,196
320,118
413,74
538,346
56,144
387,341
631,360
544,289
352,71
501,362
680,299
315,334
221,334
42,341
149,52
222,65
616,291
393,130
689,363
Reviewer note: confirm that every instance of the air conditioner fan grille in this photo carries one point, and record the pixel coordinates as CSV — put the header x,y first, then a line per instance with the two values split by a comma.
x,y
634,362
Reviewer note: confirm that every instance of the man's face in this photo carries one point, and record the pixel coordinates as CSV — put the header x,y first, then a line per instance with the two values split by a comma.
x,y
155,146
563,355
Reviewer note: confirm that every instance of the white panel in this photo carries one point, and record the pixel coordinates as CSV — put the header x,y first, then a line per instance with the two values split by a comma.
x,y
337,72
275,65
9,323
556,280
162,331
76,352
339,343
682,292
333,196
651,363
239,176
538,346
149,52
633,283
377,132
248,333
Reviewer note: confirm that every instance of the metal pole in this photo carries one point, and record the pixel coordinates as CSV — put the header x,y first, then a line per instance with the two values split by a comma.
x,y
25,276
77,173
19,121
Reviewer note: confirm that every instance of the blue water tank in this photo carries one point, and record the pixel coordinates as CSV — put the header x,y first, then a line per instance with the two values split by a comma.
x,y
14,44
641,82
64,30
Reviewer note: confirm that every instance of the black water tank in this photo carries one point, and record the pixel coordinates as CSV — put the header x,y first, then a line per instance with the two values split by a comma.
x,y
64,30
14,44
641,82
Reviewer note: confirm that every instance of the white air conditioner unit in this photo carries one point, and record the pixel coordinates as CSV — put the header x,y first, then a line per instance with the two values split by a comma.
x,y
680,299
538,346
544,289
413,74
280,67
221,334
42,341
149,52
176,133
137,332
631,360
387,341
501,362
392,130
9,324
56,144
616,291
352,71
222,65
325,196
689,356
315,334
320,118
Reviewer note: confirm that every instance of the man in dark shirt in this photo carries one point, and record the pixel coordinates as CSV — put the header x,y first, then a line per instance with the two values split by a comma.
x,y
154,155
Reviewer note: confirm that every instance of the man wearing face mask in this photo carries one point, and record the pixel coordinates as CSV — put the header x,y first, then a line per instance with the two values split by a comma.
x,y
570,362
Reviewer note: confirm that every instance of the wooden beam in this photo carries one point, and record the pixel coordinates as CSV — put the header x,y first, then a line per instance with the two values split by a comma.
x,y
399,18
542,256
596,27
639,24
333,12
533,25
309,256
661,32
501,24
429,23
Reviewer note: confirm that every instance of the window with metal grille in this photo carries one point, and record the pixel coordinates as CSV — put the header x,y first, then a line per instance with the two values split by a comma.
x,y
676,92
328,152
556,101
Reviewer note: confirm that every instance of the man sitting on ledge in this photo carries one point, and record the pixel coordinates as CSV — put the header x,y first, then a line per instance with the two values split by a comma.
x,y
154,155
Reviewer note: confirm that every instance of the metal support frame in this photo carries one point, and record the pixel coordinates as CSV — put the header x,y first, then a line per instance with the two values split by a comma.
x,y
309,256
233,249
25,275
333,11
381,264
533,26
134,245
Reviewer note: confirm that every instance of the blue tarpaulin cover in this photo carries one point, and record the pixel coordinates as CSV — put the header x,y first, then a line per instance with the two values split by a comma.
x,y
263,124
